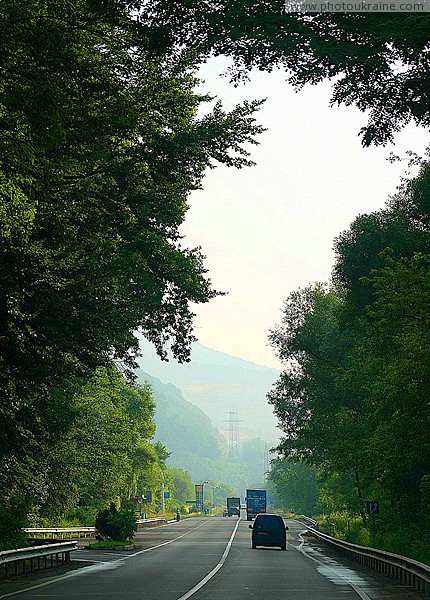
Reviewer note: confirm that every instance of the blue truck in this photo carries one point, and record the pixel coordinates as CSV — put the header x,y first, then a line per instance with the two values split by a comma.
x,y
255,503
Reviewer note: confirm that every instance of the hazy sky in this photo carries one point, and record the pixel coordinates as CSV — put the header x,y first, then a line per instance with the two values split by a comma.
x,y
269,229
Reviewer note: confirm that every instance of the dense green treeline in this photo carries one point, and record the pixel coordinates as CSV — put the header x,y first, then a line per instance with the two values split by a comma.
x,y
106,455
353,401
100,146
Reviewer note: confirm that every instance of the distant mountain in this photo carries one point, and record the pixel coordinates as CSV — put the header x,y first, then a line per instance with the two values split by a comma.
x,y
196,445
215,382
181,425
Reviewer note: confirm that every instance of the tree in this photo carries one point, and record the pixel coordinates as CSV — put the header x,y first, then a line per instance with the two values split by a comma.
x,y
14,513
101,146
107,449
162,453
107,182
296,485
99,459
382,266
383,270
358,250
182,486
353,398
321,410
400,342
379,62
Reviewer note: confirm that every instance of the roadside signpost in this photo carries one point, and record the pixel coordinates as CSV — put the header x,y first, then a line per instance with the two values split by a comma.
x,y
199,497
372,507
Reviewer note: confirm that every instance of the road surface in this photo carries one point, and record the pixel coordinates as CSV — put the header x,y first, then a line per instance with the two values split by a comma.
x,y
208,559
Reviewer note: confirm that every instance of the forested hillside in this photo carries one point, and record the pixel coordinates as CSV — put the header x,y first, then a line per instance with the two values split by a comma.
x,y
180,424
215,381
196,445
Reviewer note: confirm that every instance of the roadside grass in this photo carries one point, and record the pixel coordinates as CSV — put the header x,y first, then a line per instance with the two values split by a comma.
x,y
111,544
172,515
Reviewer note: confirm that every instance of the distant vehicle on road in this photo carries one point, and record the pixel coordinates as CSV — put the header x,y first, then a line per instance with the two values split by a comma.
x,y
255,503
225,513
269,530
233,507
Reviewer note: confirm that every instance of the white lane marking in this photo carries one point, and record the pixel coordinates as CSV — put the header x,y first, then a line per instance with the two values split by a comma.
x,y
215,570
90,560
164,543
356,589
35,587
97,567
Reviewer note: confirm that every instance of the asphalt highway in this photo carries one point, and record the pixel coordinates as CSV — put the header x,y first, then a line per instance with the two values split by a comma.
x,y
208,559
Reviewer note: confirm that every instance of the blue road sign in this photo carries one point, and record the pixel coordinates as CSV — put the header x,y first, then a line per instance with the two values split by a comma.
x,y
372,507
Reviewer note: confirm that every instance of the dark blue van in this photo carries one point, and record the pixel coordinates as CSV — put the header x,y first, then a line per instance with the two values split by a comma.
x,y
269,530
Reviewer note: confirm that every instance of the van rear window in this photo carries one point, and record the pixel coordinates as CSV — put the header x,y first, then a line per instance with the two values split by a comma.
x,y
269,522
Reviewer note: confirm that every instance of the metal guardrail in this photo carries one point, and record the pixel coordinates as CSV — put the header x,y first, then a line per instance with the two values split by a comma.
x,y
78,532
153,521
69,532
408,571
27,559
309,520
24,560
62,531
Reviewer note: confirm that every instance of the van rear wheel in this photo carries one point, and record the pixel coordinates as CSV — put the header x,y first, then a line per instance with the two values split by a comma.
x,y
254,546
284,547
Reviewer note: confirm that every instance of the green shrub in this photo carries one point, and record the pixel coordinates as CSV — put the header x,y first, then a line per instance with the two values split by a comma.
x,y
335,524
406,540
84,516
13,519
358,533
343,526
117,524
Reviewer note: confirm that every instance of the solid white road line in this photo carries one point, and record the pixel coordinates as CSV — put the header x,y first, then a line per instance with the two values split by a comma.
x,y
215,570
164,543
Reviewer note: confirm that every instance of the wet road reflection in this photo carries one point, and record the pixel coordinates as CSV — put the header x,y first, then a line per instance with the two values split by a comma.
x,y
368,584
